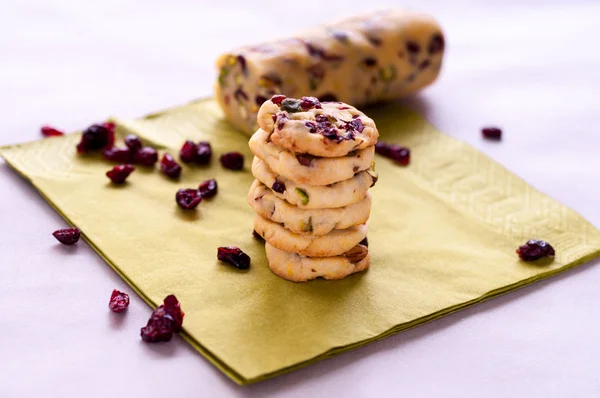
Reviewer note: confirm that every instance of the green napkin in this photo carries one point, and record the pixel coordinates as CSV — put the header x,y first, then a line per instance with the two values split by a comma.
x,y
443,233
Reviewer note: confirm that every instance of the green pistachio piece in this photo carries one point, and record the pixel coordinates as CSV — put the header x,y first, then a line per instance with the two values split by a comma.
x,y
307,226
373,166
291,105
388,74
303,195
222,75
312,84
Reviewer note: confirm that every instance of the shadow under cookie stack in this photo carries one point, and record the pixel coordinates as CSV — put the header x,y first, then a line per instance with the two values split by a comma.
x,y
314,165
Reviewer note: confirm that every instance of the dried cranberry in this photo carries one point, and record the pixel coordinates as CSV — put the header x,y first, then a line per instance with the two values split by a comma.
x,y
232,160
354,126
436,44
307,103
364,242
164,321
312,128
340,36
320,118
425,64
235,256
257,236
412,47
492,133
375,41
188,199
170,167
277,99
204,153
317,52
67,236
281,120
208,188
188,152
48,131
278,187
95,137
342,108
146,156
133,142
119,301
398,153
120,155
240,95
328,98
304,160
534,250
119,173
369,61
242,61
259,99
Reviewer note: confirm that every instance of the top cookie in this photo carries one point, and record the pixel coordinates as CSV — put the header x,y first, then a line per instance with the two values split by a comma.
x,y
324,129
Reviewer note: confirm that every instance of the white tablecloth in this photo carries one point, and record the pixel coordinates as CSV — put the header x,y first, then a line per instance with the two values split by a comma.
x,y
530,67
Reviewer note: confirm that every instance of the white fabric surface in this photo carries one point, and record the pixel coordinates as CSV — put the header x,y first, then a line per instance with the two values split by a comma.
x,y
530,67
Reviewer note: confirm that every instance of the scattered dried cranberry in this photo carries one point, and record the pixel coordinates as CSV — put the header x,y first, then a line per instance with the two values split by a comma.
x,y
170,167
188,199
120,155
232,160
307,103
304,160
277,99
492,133
133,143
354,126
257,236
164,321
312,128
208,188
146,156
242,61
343,108
204,153
119,301
412,47
436,44
67,236
325,128
369,61
278,187
281,119
119,173
259,99
328,98
534,250
340,36
375,41
240,95
48,131
188,152
398,153
315,51
234,256
97,136
424,65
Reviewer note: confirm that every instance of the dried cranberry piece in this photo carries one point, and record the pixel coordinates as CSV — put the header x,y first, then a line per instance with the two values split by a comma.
x,y
425,64
257,236
304,160
188,199
342,108
317,52
208,188
119,301
340,36
307,103
232,160
412,47
436,44
204,153
534,250
281,120
120,155
188,152
492,133
240,95
119,173
165,320
396,152
235,256
242,61
48,131
312,128
170,167
259,99
370,61
146,156
95,137
67,236
320,118
328,97
354,126
278,187
375,41
133,142
277,99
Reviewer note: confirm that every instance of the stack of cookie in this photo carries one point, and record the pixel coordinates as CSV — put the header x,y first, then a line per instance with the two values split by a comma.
x,y
313,166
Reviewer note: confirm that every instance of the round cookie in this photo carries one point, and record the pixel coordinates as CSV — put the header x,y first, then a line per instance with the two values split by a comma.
x,y
335,195
326,129
296,268
299,221
333,244
305,169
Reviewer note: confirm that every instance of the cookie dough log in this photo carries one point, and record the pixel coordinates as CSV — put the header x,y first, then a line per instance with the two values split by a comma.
x,y
363,60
